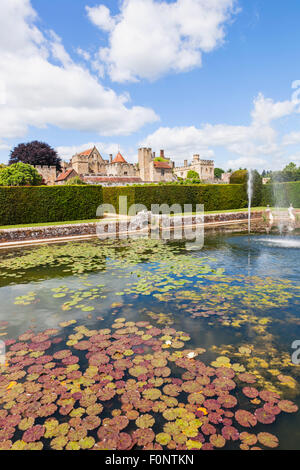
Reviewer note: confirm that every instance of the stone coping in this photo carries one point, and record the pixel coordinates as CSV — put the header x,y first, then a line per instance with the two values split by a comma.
x,y
53,233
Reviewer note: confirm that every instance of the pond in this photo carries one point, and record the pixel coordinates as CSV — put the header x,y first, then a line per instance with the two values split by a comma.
x,y
145,344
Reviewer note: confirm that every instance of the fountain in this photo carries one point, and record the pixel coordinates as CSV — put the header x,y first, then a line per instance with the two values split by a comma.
x,y
292,218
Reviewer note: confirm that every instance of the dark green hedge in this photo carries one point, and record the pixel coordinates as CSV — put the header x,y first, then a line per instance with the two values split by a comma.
x,y
111,195
34,204
282,194
213,196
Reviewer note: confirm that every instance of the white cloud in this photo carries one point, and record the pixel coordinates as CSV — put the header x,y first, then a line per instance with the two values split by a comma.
x,y
291,139
266,110
150,38
66,152
84,54
257,145
44,86
246,162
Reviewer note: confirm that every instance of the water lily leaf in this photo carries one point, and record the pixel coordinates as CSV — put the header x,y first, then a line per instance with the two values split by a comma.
x,y
249,439
145,421
268,440
287,406
217,440
250,392
245,418
34,433
263,416
163,438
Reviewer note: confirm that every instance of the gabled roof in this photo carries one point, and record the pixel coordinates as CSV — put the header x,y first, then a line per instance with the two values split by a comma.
x,y
164,165
86,153
119,159
65,175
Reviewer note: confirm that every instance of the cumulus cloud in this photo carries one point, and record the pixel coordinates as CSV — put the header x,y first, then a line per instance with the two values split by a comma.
x,y
41,85
150,38
257,145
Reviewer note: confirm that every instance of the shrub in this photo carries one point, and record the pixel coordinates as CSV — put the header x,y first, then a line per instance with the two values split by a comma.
x,y
26,205
239,177
75,181
192,175
19,174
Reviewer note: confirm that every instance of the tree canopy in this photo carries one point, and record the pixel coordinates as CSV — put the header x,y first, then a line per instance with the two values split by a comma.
x,y
35,153
290,173
218,173
193,175
20,174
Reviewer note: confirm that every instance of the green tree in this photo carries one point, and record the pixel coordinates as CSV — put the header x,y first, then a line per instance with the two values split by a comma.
x,y
290,173
218,173
257,187
20,174
192,175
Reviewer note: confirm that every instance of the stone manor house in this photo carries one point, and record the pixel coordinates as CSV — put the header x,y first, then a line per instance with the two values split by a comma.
x,y
92,168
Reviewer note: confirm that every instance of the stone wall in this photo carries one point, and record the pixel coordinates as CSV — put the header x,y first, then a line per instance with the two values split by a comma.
x,y
78,230
48,173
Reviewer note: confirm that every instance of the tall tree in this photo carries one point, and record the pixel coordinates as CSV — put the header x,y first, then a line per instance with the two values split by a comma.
x,y
35,153
218,173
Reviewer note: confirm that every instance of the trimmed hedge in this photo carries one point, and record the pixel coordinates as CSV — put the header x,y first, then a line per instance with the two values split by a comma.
x,y
213,196
282,194
111,195
34,204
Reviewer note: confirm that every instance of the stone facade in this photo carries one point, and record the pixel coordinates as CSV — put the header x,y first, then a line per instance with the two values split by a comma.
x,y
48,173
154,171
92,168
91,163
204,168
225,178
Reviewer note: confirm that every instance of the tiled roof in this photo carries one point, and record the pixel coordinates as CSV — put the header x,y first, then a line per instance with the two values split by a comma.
x,y
119,159
86,153
164,165
65,175
112,179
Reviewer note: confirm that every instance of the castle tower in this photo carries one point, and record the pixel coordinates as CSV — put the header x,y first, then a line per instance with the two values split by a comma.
x,y
145,159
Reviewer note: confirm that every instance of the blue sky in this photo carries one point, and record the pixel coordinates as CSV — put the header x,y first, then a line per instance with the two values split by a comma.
x,y
175,75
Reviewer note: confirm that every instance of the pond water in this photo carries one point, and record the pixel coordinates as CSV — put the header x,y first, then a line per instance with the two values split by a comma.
x,y
145,344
